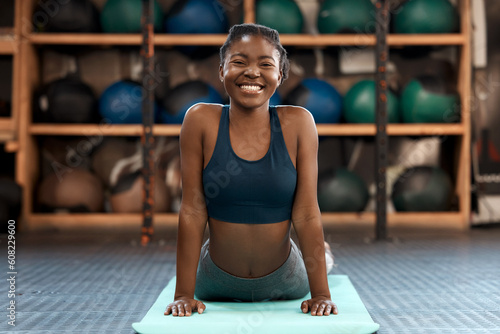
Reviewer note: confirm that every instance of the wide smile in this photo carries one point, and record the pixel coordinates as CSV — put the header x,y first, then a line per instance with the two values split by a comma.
x,y
251,88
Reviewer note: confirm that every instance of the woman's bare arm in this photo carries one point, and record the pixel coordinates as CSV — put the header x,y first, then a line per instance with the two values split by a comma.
x,y
306,216
192,215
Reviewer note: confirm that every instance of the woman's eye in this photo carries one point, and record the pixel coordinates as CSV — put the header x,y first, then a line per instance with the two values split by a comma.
x,y
267,65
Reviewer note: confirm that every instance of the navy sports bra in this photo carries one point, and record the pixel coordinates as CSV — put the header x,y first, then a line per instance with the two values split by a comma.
x,y
250,192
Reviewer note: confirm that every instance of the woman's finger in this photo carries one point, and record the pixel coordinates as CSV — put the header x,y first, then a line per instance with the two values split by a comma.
x,y
200,307
314,309
321,309
304,306
181,310
187,308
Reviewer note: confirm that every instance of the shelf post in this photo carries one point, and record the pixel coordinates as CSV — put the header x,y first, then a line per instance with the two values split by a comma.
x,y
381,138
147,139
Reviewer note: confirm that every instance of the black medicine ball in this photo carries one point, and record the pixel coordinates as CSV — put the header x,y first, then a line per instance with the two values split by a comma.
x,y
73,16
66,100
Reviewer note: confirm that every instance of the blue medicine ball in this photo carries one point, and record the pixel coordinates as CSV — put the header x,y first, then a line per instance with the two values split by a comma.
x,y
196,17
185,95
275,100
320,98
121,103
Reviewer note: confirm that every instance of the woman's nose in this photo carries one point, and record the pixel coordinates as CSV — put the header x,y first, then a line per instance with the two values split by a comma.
x,y
252,71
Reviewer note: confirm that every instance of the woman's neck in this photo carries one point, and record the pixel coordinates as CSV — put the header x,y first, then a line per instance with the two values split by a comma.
x,y
249,118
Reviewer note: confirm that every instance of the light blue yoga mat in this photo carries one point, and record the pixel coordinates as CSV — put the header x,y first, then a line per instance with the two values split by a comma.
x,y
263,317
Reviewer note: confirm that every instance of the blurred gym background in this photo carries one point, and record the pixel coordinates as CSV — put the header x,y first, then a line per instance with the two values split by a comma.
x,y
92,84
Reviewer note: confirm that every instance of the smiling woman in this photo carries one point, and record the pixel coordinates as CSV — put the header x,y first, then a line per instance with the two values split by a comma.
x,y
250,170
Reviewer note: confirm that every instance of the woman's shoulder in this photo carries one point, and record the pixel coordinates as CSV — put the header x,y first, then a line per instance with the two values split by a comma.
x,y
296,116
201,115
203,111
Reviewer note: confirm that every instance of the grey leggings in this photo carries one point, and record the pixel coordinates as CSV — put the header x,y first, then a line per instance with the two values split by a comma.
x,y
287,282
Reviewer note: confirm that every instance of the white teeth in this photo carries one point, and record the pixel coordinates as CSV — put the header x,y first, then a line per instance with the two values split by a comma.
x,y
250,87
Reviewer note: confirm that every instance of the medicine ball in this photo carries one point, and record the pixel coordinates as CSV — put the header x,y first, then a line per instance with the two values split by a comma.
x,y
66,100
75,190
346,16
430,99
124,16
320,98
61,154
183,96
72,16
422,188
275,99
173,180
113,151
425,17
342,191
283,15
196,17
10,202
360,100
121,103
127,194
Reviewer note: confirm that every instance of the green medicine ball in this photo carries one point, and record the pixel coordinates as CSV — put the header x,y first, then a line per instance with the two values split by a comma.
x,y
124,16
342,191
421,189
359,104
282,15
426,17
429,100
346,16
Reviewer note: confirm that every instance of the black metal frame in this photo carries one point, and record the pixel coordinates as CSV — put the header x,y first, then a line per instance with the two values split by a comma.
x,y
381,138
147,139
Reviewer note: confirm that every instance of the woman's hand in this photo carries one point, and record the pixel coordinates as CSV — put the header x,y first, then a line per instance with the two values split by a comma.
x,y
319,306
184,307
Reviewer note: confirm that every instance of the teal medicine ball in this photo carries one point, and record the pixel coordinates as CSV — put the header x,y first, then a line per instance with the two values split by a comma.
x,y
346,16
422,188
429,99
359,104
124,16
426,17
282,15
342,191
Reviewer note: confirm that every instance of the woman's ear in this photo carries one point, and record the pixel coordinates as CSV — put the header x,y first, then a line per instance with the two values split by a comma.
x,y
280,77
221,73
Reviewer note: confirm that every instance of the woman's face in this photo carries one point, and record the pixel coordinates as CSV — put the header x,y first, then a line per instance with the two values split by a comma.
x,y
251,71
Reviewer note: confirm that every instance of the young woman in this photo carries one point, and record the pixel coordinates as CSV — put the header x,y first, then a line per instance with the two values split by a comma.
x,y
250,170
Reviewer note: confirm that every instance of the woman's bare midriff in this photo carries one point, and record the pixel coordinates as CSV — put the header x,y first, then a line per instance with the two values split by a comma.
x,y
249,250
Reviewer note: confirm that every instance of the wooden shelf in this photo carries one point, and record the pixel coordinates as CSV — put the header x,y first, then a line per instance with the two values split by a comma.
x,y
416,219
445,220
6,129
173,130
100,129
209,39
392,129
8,44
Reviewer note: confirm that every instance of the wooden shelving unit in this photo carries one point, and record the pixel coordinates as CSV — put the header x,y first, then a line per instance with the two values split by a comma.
x,y
9,46
28,78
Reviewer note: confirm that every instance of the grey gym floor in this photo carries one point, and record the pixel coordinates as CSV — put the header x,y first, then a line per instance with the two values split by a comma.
x,y
420,282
